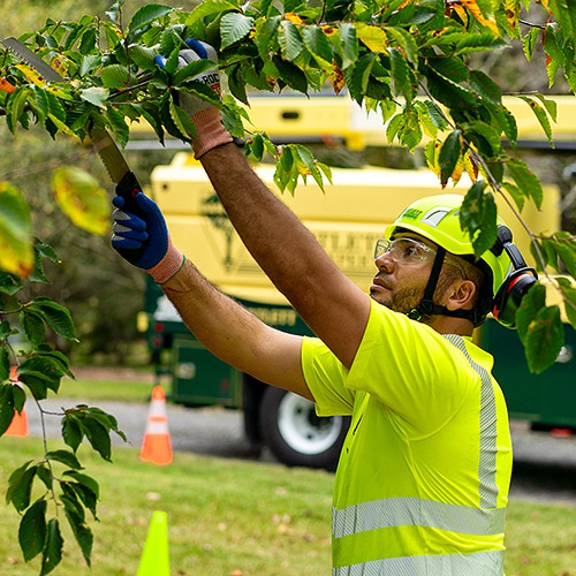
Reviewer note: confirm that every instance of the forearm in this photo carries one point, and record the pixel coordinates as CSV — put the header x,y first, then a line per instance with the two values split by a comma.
x,y
235,335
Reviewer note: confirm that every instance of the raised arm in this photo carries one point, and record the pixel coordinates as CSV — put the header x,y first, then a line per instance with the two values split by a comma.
x,y
331,304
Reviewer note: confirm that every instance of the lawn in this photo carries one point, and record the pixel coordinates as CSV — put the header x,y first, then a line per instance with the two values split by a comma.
x,y
233,518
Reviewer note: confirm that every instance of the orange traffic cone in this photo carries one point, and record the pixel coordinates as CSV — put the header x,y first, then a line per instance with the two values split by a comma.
x,y
19,425
156,446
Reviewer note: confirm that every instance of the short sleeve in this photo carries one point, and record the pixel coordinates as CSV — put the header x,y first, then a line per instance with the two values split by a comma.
x,y
325,376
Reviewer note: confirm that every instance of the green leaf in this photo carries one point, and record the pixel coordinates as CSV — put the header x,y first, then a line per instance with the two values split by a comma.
x,y
52,553
98,437
451,69
32,530
266,35
115,76
486,139
290,40
400,73
233,28
82,533
449,155
526,180
317,44
147,14
543,339
5,332
209,8
64,457
6,406
96,96
485,86
16,253
348,45
72,430
478,217
518,195
33,325
20,486
55,315
542,118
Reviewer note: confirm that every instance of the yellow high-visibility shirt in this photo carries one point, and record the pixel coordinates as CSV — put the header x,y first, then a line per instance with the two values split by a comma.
x,y
422,483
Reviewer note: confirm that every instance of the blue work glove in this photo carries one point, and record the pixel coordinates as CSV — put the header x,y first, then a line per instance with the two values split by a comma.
x,y
143,240
197,51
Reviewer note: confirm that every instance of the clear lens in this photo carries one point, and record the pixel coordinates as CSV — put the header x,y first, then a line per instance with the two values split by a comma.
x,y
403,250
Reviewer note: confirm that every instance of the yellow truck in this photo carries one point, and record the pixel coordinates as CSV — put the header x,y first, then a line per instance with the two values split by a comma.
x,y
347,220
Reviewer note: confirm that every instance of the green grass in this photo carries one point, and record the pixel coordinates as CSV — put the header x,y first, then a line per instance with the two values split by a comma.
x,y
92,391
231,517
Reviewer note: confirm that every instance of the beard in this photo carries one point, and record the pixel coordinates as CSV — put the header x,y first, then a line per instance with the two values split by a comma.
x,y
402,301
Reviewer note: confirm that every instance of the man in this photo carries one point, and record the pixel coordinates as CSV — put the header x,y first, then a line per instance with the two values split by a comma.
x,y
422,483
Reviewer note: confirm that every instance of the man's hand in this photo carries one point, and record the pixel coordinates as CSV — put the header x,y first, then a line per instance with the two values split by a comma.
x,y
144,240
206,117
197,51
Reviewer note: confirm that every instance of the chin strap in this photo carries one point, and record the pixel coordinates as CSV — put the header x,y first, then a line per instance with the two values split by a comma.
x,y
427,307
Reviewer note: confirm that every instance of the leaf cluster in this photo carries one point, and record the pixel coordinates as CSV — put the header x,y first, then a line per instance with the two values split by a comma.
x,y
38,371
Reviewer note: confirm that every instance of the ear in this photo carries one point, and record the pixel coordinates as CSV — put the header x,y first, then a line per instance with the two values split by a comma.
x,y
460,295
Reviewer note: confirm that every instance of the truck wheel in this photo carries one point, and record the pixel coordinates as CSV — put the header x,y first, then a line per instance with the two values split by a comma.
x,y
296,435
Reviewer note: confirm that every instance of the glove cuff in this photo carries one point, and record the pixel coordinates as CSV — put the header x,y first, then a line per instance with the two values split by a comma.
x,y
211,131
168,266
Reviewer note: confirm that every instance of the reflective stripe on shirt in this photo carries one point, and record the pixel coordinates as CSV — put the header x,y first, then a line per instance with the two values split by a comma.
x,y
416,512
488,431
477,564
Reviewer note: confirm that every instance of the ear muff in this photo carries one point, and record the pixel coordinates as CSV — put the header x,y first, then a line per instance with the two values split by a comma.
x,y
510,295
517,282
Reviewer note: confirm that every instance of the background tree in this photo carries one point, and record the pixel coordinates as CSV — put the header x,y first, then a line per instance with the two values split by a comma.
x,y
412,61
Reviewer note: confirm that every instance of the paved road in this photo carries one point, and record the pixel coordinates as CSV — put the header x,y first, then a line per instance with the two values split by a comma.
x,y
544,465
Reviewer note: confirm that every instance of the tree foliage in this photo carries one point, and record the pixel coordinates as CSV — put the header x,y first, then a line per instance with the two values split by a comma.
x,y
408,60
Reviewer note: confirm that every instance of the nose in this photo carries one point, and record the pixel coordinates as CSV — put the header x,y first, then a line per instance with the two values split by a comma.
x,y
384,262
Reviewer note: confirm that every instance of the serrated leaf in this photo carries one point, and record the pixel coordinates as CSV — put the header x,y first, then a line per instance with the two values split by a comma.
x,y
147,14
32,530
373,37
96,96
115,76
20,486
478,217
290,41
82,199
82,533
518,195
6,406
16,252
526,180
209,8
56,316
485,86
544,339
348,44
234,27
33,325
118,125
542,118
64,457
451,69
317,44
98,437
449,155
52,553
71,430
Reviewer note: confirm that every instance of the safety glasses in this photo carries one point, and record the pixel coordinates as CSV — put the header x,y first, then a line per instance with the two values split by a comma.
x,y
410,252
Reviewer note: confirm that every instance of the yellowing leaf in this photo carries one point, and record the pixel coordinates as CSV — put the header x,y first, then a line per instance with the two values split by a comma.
x,y
31,75
16,253
294,18
474,9
374,38
80,197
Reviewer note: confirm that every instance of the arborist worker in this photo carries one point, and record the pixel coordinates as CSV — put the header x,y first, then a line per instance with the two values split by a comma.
x,y
422,483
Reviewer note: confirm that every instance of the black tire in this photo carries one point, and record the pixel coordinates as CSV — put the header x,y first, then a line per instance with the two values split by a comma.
x,y
296,435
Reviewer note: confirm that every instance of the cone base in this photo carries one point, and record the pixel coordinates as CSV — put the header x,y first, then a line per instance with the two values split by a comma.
x,y
157,449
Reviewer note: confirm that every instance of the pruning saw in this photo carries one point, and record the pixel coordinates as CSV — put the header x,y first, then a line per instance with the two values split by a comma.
x,y
127,185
